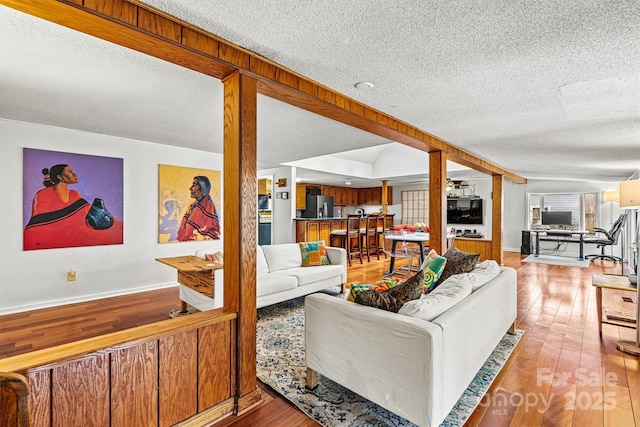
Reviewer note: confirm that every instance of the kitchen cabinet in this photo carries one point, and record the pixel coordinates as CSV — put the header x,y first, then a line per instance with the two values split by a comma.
x,y
264,186
373,196
313,230
301,197
342,196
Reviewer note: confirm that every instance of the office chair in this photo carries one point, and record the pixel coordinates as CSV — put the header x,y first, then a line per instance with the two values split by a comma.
x,y
610,238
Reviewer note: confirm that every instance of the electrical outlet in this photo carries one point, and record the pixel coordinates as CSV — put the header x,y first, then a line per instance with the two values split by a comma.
x,y
71,276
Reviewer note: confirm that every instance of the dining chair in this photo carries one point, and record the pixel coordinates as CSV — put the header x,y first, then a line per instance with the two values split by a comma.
x,y
399,252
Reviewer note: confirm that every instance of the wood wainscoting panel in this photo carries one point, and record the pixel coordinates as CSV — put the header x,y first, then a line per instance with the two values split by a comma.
x,y
178,377
80,392
214,365
8,407
134,385
40,400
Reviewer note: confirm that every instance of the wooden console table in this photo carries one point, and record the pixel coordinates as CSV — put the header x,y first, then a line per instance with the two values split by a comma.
x,y
621,283
193,272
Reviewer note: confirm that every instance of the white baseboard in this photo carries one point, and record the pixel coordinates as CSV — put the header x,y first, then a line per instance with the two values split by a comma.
x,y
84,298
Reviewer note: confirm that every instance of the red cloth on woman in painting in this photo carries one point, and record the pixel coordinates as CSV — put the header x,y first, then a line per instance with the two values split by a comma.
x,y
56,224
200,222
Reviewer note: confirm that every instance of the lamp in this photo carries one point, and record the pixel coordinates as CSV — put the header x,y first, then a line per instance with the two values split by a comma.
x,y
629,194
630,199
347,181
449,185
611,196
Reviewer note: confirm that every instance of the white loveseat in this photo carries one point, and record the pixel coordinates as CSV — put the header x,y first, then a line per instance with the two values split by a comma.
x,y
413,367
279,276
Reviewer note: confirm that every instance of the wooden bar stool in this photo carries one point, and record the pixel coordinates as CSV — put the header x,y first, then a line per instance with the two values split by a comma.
x,y
350,237
370,237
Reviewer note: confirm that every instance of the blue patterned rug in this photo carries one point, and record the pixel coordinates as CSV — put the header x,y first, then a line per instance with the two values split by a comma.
x,y
281,364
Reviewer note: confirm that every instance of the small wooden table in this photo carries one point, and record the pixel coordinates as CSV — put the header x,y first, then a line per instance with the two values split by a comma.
x,y
605,281
193,272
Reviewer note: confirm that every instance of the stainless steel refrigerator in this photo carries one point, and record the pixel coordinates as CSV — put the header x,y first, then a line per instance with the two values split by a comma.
x,y
319,207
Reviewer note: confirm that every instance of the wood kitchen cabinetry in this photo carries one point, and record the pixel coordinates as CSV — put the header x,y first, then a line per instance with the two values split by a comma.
x,y
264,186
301,194
313,230
373,195
343,196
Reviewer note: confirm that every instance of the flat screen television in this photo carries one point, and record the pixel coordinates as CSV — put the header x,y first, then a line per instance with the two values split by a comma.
x,y
464,211
556,217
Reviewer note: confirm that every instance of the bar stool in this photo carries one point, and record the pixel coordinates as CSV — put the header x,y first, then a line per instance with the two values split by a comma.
x,y
350,237
370,237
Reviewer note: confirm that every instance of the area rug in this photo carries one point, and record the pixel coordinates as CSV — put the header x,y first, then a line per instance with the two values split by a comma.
x,y
281,365
557,260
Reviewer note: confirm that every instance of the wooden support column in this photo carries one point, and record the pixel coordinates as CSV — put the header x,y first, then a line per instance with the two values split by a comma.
x,y
437,201
240,225
385,194
497,197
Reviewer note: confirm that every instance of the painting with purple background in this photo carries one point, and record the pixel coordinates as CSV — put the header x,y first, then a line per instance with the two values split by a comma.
x,y
51,220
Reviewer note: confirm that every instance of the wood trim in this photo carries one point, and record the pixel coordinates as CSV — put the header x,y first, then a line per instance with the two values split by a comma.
x,y
145,29
497,197
50,356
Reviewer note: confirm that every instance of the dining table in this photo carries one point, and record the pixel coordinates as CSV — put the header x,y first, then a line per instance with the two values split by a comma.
x,y
419,237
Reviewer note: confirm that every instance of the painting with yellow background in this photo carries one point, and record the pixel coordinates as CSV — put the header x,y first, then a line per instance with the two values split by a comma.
x,y
188,204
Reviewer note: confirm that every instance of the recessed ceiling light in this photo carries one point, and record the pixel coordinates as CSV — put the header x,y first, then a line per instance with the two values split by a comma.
x,y
364,85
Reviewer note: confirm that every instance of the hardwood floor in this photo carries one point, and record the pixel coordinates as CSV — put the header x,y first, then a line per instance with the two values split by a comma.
x,y
560,374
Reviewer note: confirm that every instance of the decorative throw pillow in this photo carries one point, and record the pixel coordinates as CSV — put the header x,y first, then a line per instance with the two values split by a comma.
x,y
313,254
394,298
432,271
457,262
215,257
358,287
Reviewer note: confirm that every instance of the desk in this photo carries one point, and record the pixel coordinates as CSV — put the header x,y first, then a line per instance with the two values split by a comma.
x,y
567,234
621,283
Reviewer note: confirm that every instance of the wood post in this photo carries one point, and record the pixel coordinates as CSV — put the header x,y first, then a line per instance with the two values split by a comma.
x,y
240,225
437,201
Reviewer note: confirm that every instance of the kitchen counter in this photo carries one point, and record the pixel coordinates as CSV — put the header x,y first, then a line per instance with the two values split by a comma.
x,y
320,219
315,229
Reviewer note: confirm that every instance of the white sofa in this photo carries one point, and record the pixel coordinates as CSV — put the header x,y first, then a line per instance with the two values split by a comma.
x,y
413,367
279,276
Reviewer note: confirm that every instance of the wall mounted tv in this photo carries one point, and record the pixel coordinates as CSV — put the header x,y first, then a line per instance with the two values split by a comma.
x,y
464,211
556,217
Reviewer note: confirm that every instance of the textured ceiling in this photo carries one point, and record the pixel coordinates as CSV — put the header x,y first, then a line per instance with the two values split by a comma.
x,y
543,89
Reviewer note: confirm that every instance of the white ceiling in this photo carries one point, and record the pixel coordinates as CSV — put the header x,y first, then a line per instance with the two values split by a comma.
x,y
547,90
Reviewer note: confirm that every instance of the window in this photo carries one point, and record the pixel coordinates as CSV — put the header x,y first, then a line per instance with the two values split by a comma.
x,y
415,206
581,205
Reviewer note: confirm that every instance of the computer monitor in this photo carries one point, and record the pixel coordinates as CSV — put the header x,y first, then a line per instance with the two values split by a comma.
x,y
556,218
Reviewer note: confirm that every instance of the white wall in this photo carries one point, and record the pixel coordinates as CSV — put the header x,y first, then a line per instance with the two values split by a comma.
x,y
36,279
282,210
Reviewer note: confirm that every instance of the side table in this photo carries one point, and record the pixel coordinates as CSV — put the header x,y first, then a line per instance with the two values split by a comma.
x,y
604,281
194,273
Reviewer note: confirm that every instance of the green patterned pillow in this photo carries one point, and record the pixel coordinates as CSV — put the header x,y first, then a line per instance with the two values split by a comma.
x,y
314,254
432,271
358,287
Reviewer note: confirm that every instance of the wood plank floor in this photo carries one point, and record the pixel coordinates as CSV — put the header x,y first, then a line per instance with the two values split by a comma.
x,y
561,374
